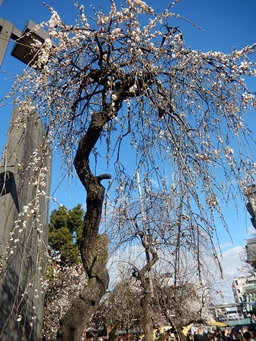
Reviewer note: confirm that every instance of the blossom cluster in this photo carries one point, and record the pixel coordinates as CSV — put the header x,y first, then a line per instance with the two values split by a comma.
x,y
186,100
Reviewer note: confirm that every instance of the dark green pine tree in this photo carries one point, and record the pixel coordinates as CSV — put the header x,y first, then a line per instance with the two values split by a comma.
x,y
65,233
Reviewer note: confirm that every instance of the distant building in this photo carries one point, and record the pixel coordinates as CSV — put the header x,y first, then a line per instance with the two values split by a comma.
x,y
250,193
251,251
238,288
225,312
244,290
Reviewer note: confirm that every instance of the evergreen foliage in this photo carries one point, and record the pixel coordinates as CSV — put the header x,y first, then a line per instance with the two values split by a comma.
x,y
65,233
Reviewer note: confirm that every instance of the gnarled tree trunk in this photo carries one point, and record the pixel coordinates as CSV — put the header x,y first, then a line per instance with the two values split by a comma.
x,y
94,261
93,250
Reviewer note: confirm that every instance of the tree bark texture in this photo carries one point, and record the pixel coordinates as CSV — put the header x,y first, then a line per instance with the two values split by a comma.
x,y
146,283
147,316
93,251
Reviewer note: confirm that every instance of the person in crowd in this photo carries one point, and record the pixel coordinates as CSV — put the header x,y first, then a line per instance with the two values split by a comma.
x,y
252,321
219,334
210,336
204,336
236,335
190,336
227,334
248,336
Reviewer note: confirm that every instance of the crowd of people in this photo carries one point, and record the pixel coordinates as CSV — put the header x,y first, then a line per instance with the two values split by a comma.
x,y
219,335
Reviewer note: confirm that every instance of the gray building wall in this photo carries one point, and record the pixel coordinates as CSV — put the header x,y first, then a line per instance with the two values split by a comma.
x,y
23,230
251,250
238,289
244,289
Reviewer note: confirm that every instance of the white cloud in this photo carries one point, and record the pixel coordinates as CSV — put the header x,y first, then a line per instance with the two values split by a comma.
x,y
225,245
230,262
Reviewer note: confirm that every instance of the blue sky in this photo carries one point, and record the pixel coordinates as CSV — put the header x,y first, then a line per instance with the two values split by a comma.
x,y
226,24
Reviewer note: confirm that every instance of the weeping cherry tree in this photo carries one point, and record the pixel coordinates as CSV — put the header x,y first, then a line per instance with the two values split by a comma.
x,y
123,85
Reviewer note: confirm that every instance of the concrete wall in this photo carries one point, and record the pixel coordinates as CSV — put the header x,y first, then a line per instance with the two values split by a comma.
x,y
251,250
23,232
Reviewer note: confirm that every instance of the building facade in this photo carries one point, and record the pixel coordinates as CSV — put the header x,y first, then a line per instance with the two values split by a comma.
x,y
244,290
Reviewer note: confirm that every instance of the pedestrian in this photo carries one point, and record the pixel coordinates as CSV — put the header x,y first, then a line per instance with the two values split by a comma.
x,y
190,336
219,335
227,334
248,336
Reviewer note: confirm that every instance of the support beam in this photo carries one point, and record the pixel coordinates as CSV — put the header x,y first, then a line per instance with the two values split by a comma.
x,y
23,49
5,34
